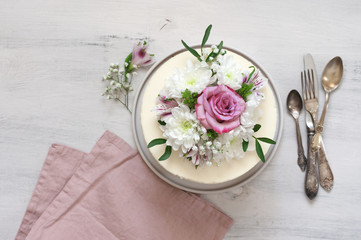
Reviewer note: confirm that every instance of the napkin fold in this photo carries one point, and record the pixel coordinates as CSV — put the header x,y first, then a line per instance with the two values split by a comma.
x,y
111,194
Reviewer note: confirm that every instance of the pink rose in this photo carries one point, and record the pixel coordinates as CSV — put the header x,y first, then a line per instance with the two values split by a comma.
x,y
219,108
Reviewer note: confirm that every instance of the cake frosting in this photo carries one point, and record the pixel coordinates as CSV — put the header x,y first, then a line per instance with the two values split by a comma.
x,y
182,167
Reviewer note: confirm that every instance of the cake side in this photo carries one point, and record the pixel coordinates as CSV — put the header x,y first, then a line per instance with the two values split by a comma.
x,y
181,166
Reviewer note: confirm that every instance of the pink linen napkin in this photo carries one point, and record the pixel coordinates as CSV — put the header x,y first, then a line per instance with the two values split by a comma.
x,y
111,194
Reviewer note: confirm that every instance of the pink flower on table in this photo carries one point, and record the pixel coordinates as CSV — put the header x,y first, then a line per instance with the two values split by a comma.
x,y
140,56
219,108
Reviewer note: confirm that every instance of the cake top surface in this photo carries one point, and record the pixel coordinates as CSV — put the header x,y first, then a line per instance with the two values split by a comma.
x,y
182,167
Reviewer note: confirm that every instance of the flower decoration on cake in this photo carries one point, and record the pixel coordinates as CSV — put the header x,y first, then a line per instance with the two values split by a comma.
x,y
208,111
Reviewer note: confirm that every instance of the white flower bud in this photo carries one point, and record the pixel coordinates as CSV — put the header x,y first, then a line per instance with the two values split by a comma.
x,y
115,70
214,46
126,64
135,66
135,73
109,97
128,75
209,163
216,50
112,82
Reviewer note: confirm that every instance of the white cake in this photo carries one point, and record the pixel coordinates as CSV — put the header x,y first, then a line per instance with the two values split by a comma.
x,y
181,166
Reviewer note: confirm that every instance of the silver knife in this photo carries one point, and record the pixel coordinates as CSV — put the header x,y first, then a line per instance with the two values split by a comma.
x,y
325,173
311,178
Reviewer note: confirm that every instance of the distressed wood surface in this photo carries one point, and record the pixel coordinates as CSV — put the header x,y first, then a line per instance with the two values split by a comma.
x,y
54,53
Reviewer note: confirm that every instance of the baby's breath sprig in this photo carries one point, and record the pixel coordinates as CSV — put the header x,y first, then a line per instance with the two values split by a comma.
x,y
119,77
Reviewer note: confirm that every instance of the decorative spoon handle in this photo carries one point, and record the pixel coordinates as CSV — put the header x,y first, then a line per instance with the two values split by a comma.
x,y
324,170
301,161
317,139
311,181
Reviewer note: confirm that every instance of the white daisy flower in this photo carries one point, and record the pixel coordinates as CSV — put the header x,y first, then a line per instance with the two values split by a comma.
x,y
194,78
232,144
230,72
181,129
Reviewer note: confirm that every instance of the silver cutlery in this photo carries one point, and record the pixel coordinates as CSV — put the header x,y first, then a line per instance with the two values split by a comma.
x,y
324,170
331,79
311,106
294,106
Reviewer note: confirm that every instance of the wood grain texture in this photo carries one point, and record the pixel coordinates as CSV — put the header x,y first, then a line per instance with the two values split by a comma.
x,y
54,53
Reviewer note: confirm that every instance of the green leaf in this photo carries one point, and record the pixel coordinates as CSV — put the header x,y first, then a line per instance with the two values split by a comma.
x,y
260,151
245,90
214,55
266,140
161,122
191,50
206,35
245,145
212,134
250,75
256,127
156,141
166,154
189,98
128,58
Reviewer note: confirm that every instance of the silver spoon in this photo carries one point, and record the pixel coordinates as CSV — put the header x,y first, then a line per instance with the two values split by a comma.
x,y
294,105
331,79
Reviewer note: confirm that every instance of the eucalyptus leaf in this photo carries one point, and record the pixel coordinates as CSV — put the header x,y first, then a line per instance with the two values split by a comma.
x,y
266,140
256,127
206,35
166,154
245,146
260,151
156,141
192,51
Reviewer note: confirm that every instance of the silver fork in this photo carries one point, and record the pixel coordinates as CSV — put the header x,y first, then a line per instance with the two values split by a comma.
x,y
311,106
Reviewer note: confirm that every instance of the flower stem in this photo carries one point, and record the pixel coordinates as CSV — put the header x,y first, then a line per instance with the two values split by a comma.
x,y
124,104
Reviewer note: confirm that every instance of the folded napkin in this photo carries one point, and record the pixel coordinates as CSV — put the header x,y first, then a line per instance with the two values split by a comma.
x,y
111,194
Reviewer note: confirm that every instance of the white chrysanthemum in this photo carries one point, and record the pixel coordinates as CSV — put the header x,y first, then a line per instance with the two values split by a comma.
x,y
230,72
250,116
231,145
194,78
181,130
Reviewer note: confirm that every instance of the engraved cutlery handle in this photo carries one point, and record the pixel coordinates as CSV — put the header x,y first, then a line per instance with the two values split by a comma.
x,y
301,161
324,170
311,180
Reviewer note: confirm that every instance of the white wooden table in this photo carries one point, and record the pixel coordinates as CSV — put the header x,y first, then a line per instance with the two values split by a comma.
x,y
54,53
